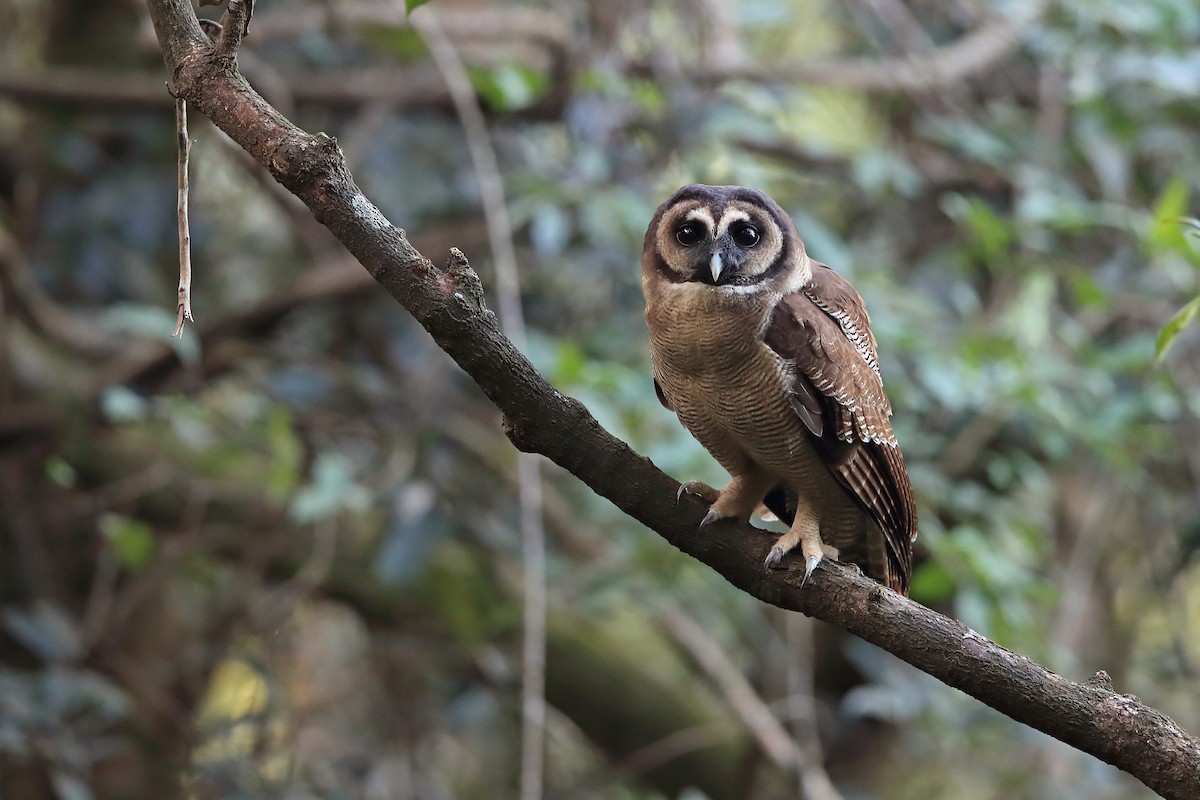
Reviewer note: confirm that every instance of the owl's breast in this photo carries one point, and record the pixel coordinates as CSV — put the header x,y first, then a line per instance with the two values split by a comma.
x,y
729,389
696,331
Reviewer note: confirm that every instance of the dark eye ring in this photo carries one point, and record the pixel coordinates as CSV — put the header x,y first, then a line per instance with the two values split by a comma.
x,y
688,234
746,235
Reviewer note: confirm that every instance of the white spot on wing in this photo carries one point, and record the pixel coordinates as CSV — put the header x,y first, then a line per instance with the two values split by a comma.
x,y
852,331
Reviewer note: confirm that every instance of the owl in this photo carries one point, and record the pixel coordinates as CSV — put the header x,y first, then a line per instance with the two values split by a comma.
x,y
767,358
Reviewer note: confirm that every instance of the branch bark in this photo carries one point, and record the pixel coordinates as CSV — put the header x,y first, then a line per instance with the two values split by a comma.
x,y
448,302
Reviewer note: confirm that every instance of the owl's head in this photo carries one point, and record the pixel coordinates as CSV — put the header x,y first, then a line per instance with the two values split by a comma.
x,y
728,237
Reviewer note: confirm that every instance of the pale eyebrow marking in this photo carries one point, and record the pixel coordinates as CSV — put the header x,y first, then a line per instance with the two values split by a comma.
x,y
702,215
729,217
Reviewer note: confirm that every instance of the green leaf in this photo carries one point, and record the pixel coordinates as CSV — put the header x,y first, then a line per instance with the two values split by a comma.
x,y
1170,228
1086,290
509,87
1172,329
933,583
132,539
649,95
412,5
990,234
59,471
286,455
404,44
1171,205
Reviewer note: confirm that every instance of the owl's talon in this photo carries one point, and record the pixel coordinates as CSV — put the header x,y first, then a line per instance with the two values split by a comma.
x,y
712,516
773,558
810,564
699,489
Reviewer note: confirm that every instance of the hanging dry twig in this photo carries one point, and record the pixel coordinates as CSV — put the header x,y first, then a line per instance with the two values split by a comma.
x,y
184,307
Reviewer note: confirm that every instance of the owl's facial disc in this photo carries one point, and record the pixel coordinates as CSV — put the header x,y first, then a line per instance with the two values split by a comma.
x,y
716,246
730,244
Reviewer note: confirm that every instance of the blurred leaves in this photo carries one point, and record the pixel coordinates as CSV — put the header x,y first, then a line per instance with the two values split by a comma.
x,y
44,630
1025,240
331,489
148,321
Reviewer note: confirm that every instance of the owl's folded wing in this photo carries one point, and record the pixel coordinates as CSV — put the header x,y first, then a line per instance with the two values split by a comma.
x,y
823,331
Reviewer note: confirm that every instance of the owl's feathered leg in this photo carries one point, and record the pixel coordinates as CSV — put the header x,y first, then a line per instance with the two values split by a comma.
x,y
806,532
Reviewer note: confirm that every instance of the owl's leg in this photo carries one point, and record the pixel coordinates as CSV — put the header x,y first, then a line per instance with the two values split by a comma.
x,y
806,532
740,497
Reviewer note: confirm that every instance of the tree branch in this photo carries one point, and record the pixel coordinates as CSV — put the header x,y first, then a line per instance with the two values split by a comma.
x,y
973,54
127,89
448,302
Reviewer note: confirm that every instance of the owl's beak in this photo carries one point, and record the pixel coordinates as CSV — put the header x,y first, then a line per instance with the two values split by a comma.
x,y
715,266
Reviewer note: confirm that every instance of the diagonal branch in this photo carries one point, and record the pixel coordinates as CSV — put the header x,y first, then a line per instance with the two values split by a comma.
x,y
1118,729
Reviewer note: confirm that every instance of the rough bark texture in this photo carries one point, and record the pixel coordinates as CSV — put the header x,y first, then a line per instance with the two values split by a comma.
x,y
1118,729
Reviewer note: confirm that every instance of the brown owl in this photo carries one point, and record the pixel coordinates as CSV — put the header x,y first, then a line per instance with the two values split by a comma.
x,y
768,359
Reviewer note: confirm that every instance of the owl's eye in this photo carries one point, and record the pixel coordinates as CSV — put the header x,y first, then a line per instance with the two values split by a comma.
x,y
688,234
745,235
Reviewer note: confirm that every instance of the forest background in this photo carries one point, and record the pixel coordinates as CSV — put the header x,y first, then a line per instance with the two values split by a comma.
x,y
283,555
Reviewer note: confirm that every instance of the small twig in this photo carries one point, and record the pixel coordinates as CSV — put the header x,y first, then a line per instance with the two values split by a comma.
x,y
234,27
100,598
944,66
802,706
26,299
184,306
672,746
288,596
766,728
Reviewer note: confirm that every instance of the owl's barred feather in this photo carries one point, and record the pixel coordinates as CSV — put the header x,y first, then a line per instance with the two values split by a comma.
x,y
767,357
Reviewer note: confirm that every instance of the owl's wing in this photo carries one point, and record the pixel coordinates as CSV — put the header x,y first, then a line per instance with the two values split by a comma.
x,y
823,331
662,398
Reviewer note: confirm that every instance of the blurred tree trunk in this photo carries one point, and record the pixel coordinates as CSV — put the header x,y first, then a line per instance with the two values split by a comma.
x,y
645,709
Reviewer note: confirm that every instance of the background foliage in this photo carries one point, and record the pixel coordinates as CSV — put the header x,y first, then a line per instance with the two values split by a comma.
x,y
280,556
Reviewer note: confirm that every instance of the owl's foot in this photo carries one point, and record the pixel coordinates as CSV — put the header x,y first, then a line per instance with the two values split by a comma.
x,y
706,493
811,546
741,496
776,555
